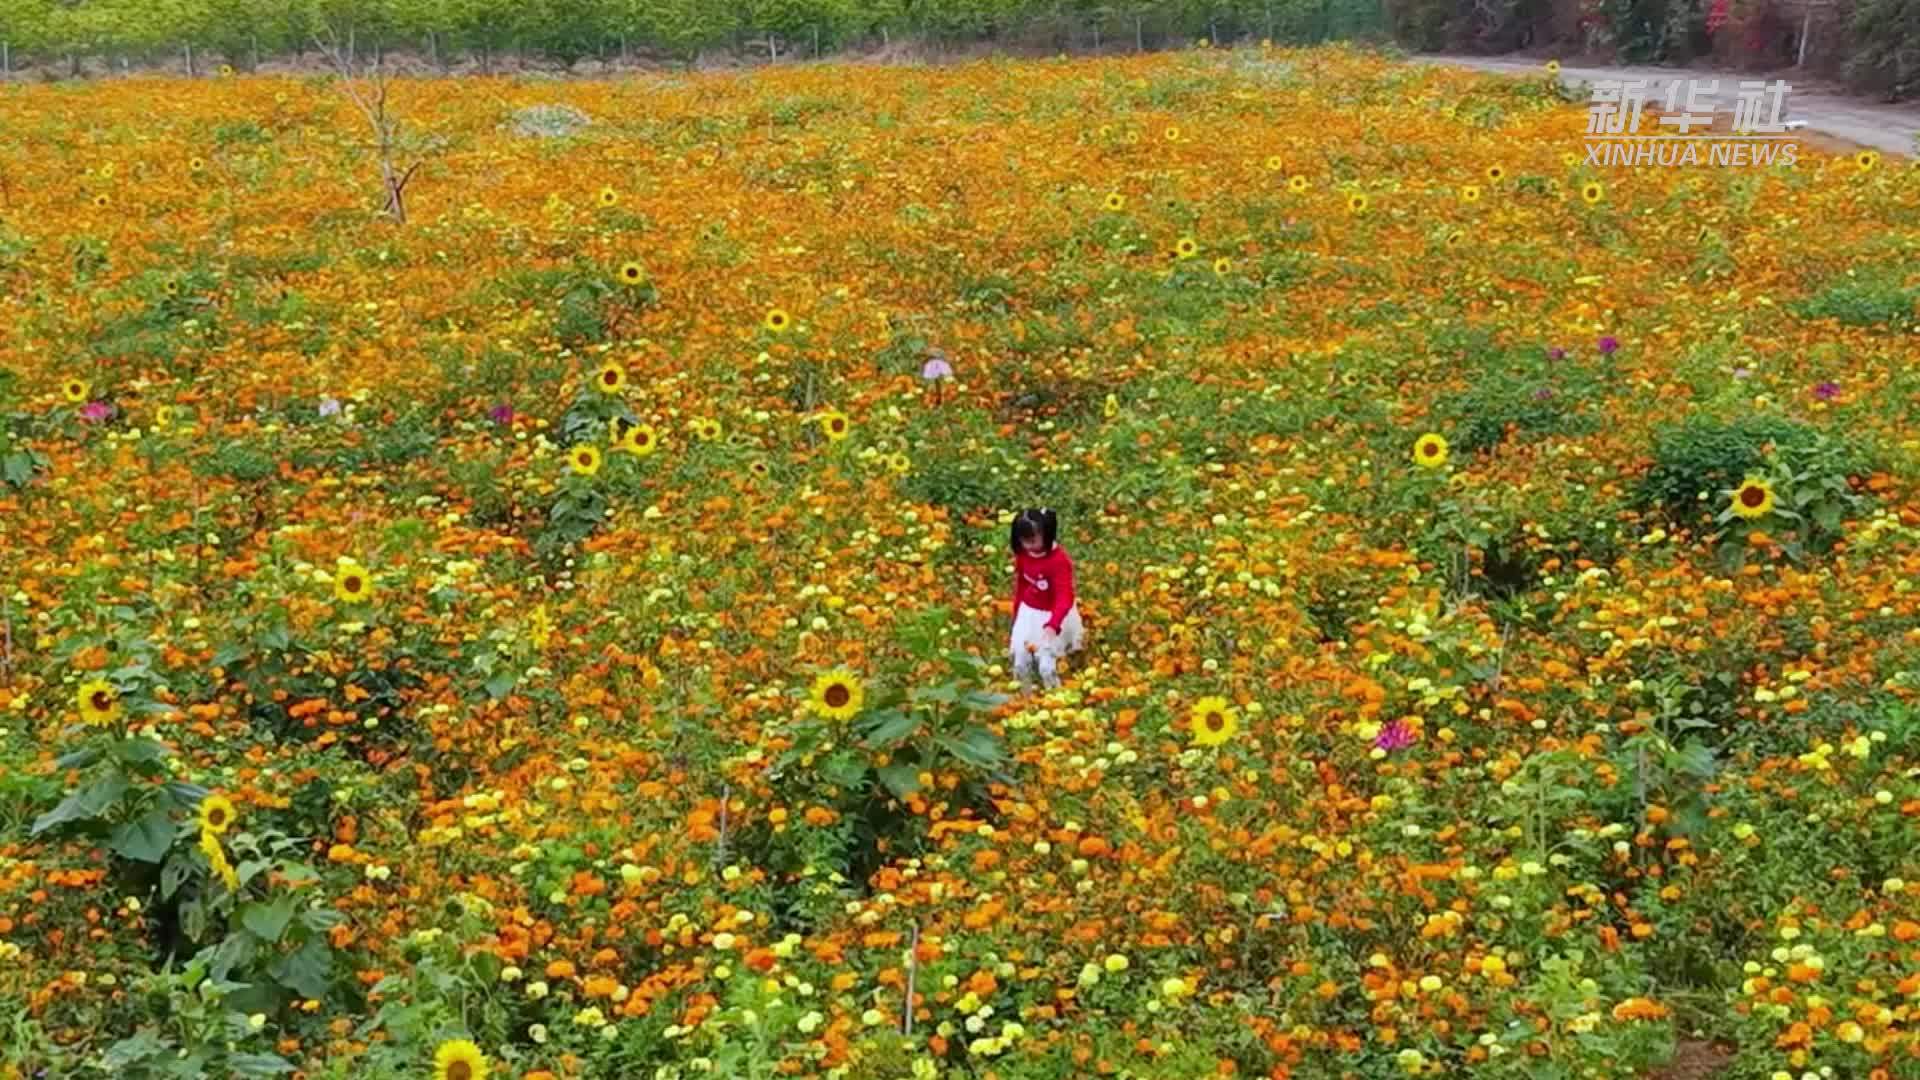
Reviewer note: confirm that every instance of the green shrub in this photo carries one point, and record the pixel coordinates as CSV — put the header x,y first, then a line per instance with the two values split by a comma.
x,y
1873,301
1697,462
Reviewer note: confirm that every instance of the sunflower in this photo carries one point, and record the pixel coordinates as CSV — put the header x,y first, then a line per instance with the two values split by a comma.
x,y
352,584
777,321
1866,159
617,429
1591,192
226,71
899,463
836,694
1454,237
1496,173
196,164
1470,193
1297,184
1357,203
216,814
1172,133
706,429
610,378
76,390
1221,265
641,441
1430,451
834,425
162,417
759,468
632,273
101,201
458,1059
1753,499
608,196
1116,201
1569,159
1214,721
99,703
1186,248
1274,164
583,460
217,860
1553,67
172,287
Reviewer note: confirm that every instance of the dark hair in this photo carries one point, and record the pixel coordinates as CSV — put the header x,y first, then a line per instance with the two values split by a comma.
x,y
1042,523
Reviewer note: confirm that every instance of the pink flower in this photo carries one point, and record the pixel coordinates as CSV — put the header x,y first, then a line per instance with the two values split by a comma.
x,y
936,368
96,411
1395,736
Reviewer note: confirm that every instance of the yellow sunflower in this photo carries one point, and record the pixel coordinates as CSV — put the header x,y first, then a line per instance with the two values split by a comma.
x,y
1357,203
899,463
1591,192
1496,173
641,440
617,429
196,164
76,390
1172,133
583,460
1470,193
834,425
458,1059
777,321
1553,67
610,378
608,196
836,694
217,860
352,584
99,703
1297,184
1274,163
1214,721
162,417
759,469
1221,265
632,273
706,429
1753,499
1116,201
216,814
1430,451
1186,248
101,201
1867,160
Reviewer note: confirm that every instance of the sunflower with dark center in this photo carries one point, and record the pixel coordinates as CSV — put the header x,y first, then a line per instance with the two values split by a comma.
x,y
610,378
641,440
1753,499
216,814
836,694
1496,173
1214,721
76,390
608,196
1116,201
835,425
1186,248
584,460
1275,164
760,469
1430,451
1222,265
778,321
99,703
632,273
101,201
1357,204
1470,193
1297,184
1867,160
706,429
352,584
1591,192
459,1059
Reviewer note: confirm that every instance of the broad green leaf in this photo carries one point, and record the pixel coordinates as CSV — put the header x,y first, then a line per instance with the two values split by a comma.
x,y
888,729
267,920
132,1050
902,780
258,1064
85,803
305,970
146,838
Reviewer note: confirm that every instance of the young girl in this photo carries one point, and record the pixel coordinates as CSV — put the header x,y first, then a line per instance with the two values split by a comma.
x,y
1046,623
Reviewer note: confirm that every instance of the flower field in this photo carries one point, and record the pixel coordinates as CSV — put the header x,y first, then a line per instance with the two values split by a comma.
x,y
563,635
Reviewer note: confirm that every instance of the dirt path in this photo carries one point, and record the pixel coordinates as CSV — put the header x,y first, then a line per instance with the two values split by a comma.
x,y
1889,129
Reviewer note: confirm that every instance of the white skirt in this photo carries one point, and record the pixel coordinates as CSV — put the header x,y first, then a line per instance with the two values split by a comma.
x,y
1030,628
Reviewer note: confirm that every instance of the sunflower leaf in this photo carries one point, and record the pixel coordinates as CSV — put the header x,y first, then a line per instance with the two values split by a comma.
x,y
889,728
144,839
84,804
902,780
268,920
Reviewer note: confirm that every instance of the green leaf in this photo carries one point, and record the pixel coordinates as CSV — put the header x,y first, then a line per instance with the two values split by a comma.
x,y
887,729
141,1046
145,839
236,951
141,751
902,780
85,803
305,970
258,1064
501,685
172,874
77,759
844,769
268,920
184,795
977,747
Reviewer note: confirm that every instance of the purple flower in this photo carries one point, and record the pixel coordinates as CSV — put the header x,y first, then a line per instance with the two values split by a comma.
x,y
1395,736
95,411
1826,391
1543,393
501,413
1556,353
329,406
1609,345
936,368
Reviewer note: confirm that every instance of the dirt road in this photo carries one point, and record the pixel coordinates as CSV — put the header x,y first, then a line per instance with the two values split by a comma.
x,y
1887,128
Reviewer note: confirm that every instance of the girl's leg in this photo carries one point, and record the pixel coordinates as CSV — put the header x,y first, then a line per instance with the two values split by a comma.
x,y
1022,662
1049,673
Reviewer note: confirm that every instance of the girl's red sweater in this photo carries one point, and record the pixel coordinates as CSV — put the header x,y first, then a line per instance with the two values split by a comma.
x,y
1044,582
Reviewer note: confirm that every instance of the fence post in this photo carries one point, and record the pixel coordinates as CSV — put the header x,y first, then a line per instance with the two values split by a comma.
x,y
6,60
1806,24
189,59
1138,46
